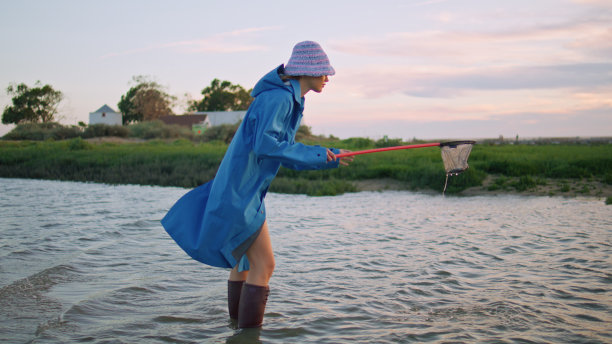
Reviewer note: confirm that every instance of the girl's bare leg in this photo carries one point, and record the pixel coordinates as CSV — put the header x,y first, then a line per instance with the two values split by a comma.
x,y
255,290
261,259
237,276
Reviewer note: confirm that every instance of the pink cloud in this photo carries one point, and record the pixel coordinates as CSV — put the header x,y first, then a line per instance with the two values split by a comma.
x,y
566,41
226,42
597,3
379,81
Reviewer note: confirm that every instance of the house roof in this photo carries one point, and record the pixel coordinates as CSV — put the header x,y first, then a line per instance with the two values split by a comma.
x,y
184,120
105,108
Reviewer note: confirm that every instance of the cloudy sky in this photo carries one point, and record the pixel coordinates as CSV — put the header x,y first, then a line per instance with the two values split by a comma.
x,y
414,68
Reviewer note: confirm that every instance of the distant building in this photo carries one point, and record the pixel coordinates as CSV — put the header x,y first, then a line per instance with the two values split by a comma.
x,y
215,118
200,121
195,122
105,115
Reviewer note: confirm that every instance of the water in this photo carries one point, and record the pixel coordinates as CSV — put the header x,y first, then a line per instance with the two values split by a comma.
x,y
91,263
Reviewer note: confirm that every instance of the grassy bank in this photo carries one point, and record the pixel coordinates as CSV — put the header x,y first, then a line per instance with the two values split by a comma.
x,y
501,168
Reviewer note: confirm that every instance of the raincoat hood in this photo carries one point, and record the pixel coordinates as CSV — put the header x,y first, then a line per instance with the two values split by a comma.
x,y
272,81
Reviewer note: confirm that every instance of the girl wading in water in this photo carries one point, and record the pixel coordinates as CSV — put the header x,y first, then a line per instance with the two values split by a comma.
x,y
223,222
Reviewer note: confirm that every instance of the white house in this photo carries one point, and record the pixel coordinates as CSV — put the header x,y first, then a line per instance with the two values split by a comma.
x,y
105,115
214,118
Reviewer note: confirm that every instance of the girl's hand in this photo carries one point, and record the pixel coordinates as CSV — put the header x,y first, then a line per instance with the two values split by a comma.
x,y
347,159
330,155
343,161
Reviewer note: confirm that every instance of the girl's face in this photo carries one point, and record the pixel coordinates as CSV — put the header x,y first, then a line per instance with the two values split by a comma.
x,y
316,83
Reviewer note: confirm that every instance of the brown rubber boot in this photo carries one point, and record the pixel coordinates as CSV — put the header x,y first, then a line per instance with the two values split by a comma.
x,y
234,288
252,305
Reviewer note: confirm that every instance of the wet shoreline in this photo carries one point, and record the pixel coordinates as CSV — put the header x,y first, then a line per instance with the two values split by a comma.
x,y
552,187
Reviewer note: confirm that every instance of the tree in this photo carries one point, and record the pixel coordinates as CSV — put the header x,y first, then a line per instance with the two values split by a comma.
x,y
303,132
223,96
31,105
146,101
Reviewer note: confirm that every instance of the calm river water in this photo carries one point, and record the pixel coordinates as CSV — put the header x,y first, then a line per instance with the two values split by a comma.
x,y
91,263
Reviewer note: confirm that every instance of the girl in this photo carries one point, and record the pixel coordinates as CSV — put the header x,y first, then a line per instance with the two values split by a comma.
x,y
223,222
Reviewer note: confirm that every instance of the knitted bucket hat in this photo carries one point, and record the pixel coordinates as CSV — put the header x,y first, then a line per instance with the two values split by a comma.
x,y
308,58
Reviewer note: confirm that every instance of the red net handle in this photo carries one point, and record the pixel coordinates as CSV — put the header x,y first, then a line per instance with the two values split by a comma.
x,y
387,149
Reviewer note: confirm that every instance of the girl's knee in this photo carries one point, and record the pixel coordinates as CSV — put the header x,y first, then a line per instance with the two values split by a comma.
x,y
269,269
270,265
261,271
266,264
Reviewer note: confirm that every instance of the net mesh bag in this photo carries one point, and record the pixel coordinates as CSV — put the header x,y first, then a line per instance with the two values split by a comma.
x,y
455,156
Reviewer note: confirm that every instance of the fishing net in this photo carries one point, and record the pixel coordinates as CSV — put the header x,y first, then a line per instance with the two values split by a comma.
x,y
455,157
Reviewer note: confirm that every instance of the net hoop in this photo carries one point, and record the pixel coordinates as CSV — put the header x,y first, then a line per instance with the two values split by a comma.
x,y
456,143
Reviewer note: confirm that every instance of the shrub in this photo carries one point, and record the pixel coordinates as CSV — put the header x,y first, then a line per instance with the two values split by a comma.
x,y
323,187
158,130
65,132
500,181
387,142
103,130
493,187
497,167
585,190
498,184
224,133
524,183
33,131
564,187
78,144
568,171
358,142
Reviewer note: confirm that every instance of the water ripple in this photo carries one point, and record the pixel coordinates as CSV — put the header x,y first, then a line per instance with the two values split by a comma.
x,y
90,263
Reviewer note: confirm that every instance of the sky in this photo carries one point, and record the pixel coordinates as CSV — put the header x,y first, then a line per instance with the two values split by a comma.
x,y
425,69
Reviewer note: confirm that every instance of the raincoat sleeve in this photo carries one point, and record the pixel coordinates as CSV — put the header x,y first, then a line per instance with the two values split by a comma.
x,y
301,167
270,140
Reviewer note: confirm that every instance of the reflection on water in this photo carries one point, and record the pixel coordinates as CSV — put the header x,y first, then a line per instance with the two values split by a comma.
x,y
90,263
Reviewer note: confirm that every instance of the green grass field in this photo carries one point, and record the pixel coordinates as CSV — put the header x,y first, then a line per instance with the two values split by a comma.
x,y
187,164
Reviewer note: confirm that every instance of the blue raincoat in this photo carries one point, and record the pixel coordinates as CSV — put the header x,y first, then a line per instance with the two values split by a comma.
x,y
215,223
